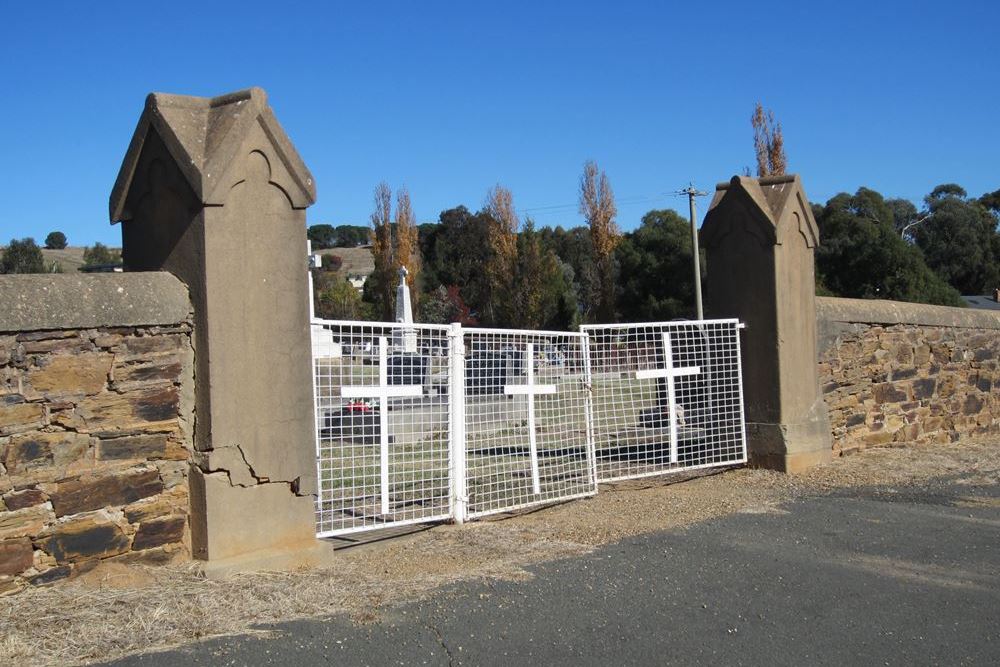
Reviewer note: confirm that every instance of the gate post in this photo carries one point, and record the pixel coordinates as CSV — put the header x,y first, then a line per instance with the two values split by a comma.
x,y
213,191
759,236
456,419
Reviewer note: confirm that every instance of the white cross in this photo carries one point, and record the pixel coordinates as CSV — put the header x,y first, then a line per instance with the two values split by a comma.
x,y
530,389
669,372
383,392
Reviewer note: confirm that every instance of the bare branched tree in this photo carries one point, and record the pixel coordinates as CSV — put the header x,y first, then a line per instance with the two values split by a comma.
x,y
382,253
597,205
407,244
768,143
502,266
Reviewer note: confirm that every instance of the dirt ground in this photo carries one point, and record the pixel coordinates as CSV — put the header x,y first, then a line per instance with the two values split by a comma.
x,y
117,610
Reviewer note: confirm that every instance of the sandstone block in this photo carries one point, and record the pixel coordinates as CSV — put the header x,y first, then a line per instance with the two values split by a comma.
x,y
51,576
171,502
92,492
32,451
25,522
887,392
159,532
132,447
167,369
21,417
17,500
16,555
144,346
111,414
93,535
65,375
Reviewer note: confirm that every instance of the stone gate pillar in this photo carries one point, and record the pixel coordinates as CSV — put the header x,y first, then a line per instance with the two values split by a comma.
x,y
213,191
759,236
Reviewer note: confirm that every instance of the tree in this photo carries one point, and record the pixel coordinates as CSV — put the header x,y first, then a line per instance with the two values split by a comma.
x,y
22,256
597,205
861,254
768,143
540,290
655,260
100,255
501,266
459,250
322,236
574,248
55,241
444,306
339,300
379,288
350,236
407,251
958,240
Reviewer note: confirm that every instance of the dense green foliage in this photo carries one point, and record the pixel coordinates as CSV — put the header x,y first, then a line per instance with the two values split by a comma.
x,y
55,241
343,236
862,255
959,240
100,254
22,256
870,247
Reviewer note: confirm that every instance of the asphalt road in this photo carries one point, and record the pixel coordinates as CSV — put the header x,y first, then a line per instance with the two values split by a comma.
x,y
879,577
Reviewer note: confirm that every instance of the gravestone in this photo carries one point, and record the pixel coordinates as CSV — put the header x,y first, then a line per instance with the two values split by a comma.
x,y
759,236
213,191
406,366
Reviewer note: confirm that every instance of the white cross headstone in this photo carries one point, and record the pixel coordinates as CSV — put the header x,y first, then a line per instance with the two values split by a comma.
x,y
383,391
530,389
670,372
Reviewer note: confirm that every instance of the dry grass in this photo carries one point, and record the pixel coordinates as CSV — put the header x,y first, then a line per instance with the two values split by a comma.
x,y
116,610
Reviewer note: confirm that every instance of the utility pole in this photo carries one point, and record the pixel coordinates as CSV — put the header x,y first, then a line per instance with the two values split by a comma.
x,y
691,193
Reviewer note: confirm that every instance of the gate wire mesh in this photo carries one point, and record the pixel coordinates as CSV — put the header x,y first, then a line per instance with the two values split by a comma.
x,y
526,424
382,419
666,396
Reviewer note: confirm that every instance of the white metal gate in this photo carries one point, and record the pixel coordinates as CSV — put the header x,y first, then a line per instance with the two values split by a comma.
x,y
665,396
419,422
526,419
383,424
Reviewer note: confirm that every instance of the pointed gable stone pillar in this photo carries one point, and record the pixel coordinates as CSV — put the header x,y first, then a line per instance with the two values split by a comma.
x,y
212,190
759,236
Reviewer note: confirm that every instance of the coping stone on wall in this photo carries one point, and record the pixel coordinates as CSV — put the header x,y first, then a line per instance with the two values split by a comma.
x,y
32,302
836,315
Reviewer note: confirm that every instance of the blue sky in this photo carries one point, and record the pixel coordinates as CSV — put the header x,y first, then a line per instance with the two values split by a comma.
x,y
450,98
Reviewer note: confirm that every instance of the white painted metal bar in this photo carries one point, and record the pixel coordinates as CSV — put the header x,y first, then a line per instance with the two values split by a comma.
x,y
456,439
530,390
671,374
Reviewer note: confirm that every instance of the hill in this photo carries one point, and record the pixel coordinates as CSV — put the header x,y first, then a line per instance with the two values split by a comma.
x,y
357,261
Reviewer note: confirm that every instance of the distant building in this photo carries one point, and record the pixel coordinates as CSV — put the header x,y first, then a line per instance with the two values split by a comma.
x,y
984,302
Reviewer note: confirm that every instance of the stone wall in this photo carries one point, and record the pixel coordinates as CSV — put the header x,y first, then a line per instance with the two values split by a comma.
x,y
95,423
907,373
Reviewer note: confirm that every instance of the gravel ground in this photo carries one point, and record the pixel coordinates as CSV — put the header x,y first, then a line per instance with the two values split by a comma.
x,y
114,610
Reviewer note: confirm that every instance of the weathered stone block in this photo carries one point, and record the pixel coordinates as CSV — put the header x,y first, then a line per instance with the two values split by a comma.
x,y
94,535
21,417
17,500
92,492
16,555
51,576
110,413
25,522
145,346
39,450
924,388
972,405
888,393
167,369
158,532
132,447
64,375
171,502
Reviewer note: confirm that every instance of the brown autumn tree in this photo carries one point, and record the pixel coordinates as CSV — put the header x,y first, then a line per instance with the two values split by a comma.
x,y
768,143
502,264
407,251
597,205
380,287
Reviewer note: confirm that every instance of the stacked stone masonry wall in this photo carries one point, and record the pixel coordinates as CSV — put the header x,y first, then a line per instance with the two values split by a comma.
x,y
94,449
888,382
